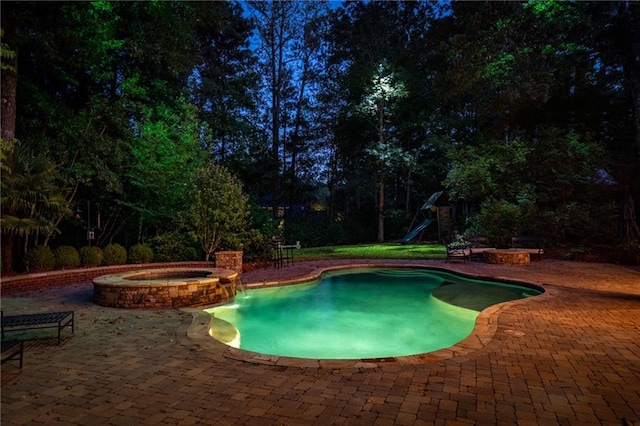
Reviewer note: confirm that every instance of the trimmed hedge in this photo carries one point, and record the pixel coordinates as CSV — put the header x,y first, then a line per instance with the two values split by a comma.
x,y
40,258
140,253
114,254
66,257
91,256
174,247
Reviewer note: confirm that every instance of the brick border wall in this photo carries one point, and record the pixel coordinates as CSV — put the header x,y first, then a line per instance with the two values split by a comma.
x,y
42,280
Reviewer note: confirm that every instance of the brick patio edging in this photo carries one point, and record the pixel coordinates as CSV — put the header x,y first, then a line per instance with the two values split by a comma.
x,y
43,280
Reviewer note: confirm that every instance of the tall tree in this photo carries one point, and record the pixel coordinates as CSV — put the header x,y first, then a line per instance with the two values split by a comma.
x,y
379,101
224,82
277,29
92,92
288,47
525,77
365,35
165,151
308,49
617,52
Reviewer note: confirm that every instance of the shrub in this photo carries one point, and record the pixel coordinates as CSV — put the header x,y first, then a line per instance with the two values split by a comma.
x,y
626,252
140,253
230,242
174,247
499,220
218,206
91,256
115,254
255,246
40,258
66,257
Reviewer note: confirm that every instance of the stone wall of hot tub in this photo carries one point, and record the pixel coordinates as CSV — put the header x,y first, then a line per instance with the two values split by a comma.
x,y
165,288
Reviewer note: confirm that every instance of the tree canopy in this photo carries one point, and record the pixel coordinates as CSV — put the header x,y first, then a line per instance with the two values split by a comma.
x,y
343,117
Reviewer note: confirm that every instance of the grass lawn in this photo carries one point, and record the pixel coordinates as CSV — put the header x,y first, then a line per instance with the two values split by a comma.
x,y
374,251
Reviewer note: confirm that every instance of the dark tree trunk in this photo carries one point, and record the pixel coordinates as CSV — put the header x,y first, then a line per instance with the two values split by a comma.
x,y
7,253
9,85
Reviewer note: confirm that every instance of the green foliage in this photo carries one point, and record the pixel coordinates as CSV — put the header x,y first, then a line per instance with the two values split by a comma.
x,y
228,79
165,152
564,167
628,251
460,242
491,169
217,207
31,200
40,258
382,93
530,99
91,256
113,104
579,222
7,53
232,242
255,246
574,223
174,247
380,99
389,156
66,257
546,185
261,220
115,254
6,151
499,220
140,253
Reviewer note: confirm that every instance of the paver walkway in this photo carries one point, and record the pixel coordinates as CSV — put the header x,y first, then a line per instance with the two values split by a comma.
x,y
571,356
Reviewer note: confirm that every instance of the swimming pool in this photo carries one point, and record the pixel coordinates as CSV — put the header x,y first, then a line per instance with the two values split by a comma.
x,y
360,314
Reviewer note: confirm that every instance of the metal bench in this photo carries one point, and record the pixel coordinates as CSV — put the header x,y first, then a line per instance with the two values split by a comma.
x,y
57,320
12,350
454,253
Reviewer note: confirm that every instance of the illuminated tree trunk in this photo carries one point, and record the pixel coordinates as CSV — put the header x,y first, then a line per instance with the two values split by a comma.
x,y
381,209
382,175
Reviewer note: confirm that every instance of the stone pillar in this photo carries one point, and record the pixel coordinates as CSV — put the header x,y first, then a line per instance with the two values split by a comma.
x,y
229,260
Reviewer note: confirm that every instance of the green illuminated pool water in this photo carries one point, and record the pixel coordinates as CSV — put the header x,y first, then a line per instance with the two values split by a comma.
x,y
360,314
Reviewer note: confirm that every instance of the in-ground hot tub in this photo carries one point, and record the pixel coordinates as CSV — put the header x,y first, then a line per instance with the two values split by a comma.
x,y
165,288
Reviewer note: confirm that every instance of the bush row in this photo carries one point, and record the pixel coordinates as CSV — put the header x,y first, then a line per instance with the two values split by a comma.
x,y
42,258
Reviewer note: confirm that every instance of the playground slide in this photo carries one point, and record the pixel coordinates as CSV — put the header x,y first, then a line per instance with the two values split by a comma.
x,y
415,231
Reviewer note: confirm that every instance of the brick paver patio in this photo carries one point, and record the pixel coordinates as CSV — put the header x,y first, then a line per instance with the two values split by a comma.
x,y
570,356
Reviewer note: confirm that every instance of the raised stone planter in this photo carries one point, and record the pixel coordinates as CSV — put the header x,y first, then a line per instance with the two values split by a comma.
x,y
165,288
507,257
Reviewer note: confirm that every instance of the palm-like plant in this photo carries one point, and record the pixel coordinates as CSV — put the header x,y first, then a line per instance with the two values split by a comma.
x,y
31,201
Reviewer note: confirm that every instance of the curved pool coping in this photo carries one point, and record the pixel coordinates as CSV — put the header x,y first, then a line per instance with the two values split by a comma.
x,y
483,334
